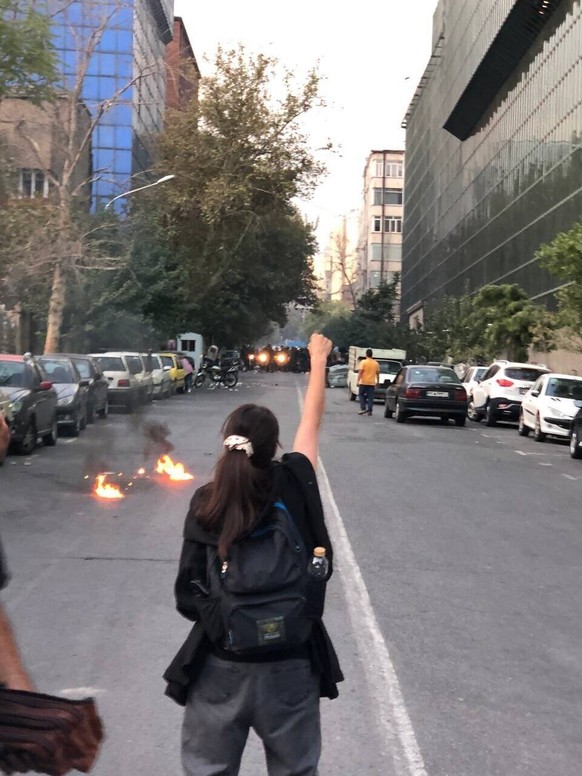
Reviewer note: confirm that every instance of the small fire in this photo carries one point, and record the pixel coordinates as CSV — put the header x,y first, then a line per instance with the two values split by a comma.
x,y
106,489
175,471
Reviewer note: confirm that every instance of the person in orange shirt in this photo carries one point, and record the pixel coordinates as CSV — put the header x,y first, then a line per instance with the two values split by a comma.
x,y
368,379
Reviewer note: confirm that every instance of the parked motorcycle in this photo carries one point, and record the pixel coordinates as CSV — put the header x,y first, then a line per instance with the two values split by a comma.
x,y
215,374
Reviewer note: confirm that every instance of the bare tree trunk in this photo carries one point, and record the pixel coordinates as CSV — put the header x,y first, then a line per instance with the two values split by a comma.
x,y
55,311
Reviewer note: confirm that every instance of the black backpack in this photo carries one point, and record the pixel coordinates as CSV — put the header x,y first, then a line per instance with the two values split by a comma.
x,y
262,598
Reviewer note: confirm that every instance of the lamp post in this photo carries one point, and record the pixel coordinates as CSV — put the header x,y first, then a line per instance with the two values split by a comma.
x,y
141,188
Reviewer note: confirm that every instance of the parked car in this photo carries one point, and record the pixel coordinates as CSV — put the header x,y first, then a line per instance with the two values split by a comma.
x,y
175,369
71,391
337,376
426,390
162,384
124,389
500,392
142,370
576,433
548,407
33,402
90,370
471,377
5,422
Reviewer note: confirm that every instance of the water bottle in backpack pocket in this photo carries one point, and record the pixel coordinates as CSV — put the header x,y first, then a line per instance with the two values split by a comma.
x,y
317,571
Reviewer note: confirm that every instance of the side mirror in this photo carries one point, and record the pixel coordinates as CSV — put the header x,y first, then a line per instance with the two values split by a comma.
x,y
387,383
167,368
84,383
535,393
45,385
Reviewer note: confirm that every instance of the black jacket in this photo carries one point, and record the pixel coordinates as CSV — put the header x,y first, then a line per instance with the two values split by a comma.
x,y
295,482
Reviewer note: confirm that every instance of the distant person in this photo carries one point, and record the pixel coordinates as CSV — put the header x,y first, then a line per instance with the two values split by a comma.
x,y
273,684
368,379
189,370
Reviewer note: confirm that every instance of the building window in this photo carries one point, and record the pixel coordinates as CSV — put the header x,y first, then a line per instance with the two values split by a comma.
x,y
33,183
392,224
391,197
394,170
391,252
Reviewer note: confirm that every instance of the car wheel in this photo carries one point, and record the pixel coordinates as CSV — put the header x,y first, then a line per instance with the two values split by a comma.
x,y
104,411
400,415
472,413
50,439
460,420
490,418
575,449
351,394
387,412
522,429
83,421
75,429
538,434
444,419
91,414
28,442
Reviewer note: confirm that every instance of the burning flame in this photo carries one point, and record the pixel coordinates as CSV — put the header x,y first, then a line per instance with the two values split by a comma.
x,y
175,471
106,489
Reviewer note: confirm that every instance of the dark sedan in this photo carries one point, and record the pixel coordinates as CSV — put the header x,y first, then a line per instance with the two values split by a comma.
x,y
426,390
90,370
33,402
71,391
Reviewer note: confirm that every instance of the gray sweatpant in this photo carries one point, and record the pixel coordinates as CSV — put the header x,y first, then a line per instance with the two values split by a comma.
x,y
279,700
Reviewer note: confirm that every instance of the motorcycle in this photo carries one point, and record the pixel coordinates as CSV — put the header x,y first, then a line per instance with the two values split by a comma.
x,y
215,374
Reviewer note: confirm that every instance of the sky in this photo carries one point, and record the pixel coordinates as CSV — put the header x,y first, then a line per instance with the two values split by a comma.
x,y
371,56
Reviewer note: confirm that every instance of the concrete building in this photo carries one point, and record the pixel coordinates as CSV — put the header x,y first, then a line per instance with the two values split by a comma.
x,y
493,148
115,52
183,73
35,141
380,239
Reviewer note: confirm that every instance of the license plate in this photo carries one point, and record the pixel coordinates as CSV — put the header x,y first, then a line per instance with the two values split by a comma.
x,y
438,394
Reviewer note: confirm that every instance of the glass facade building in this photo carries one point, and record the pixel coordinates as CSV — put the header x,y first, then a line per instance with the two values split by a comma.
x,y
493,148
124,79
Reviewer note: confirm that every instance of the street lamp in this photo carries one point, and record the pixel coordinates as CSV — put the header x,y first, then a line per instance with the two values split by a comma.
x,y
141,188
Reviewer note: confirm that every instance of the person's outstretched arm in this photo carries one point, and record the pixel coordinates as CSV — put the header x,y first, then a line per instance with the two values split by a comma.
x,y
307,436
12,671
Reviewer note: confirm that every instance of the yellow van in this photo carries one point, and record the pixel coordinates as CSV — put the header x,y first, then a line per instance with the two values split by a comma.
x,y
172,364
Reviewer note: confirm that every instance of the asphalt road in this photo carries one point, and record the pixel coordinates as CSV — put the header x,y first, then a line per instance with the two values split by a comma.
x,y
456,609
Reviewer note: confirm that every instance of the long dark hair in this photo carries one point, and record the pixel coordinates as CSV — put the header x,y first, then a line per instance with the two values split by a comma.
x,y
229,505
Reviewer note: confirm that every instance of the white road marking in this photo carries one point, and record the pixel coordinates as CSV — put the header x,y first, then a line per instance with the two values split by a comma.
x,y
69,441
82,692
383,685
544,463
519,452
571,477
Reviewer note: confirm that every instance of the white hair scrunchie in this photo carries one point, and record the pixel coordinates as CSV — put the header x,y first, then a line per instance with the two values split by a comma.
x,y
235,442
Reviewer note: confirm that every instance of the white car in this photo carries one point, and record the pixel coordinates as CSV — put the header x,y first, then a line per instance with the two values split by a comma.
x,y
499,393
548,407
162,383
471,377
121,371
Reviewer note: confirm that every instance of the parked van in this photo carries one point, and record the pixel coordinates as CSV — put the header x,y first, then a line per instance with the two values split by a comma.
x,y
390,361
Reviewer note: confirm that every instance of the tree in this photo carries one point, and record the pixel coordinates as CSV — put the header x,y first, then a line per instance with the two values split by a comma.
x,y
503,319
242,160
27,64
563,258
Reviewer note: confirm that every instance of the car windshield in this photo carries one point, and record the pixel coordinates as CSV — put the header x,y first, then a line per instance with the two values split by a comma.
x,y
12,374
430,374
167,361
111,364
563,388
59,371
390,367
82,367
529,374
